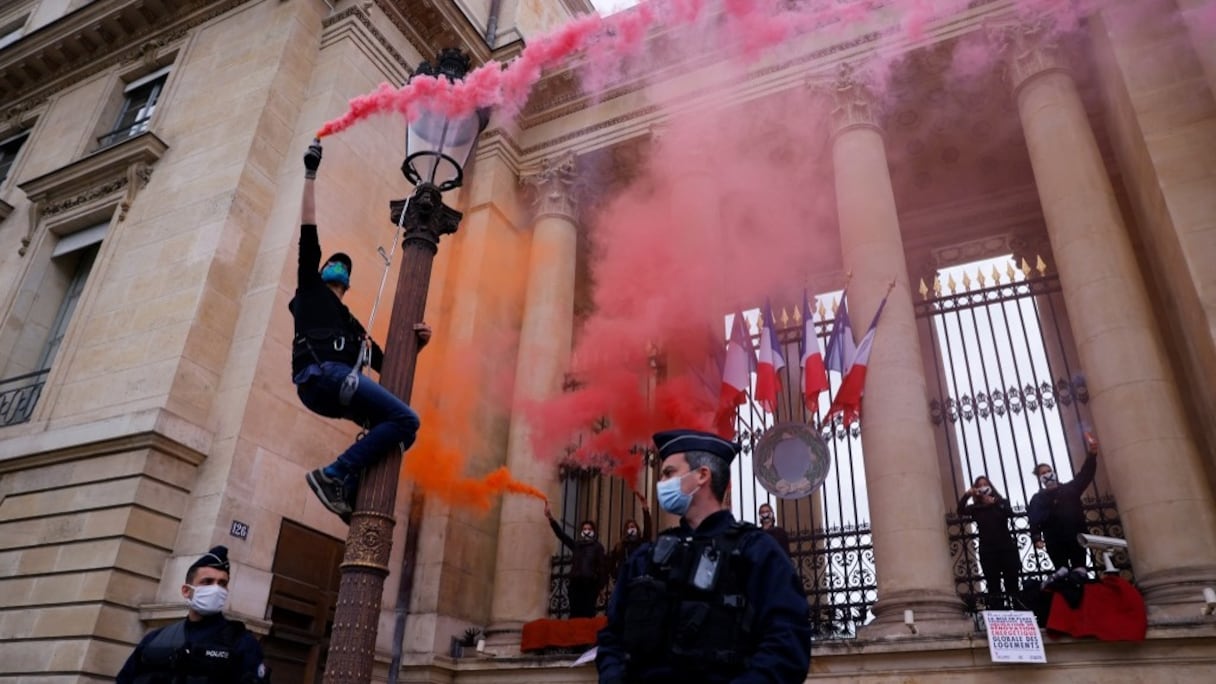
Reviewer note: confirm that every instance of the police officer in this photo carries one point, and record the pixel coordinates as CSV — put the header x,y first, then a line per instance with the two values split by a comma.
x,y
206,647
712,600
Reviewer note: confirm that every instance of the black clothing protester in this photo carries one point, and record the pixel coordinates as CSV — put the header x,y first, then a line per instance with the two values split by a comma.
x,y
587,571
325,329
780,536
999,557
627,546
1057,516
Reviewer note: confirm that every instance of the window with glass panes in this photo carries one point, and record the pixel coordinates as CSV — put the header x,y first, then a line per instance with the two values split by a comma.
x,y
139,103
74,254
9,149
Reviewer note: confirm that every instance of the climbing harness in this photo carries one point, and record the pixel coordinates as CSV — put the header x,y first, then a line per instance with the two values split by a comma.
x,y
350,384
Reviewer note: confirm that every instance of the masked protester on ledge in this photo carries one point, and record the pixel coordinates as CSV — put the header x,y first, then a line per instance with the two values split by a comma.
x,y
999,557
712,600
632,537
588,567
325,362
1056,514
206,647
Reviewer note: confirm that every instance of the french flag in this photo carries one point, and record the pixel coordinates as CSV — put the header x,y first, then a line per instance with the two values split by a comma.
x,y
814,373
768,379
847,402
841,349
736,372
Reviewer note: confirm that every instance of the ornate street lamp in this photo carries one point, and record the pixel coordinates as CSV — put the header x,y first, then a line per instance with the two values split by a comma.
x,y
437,149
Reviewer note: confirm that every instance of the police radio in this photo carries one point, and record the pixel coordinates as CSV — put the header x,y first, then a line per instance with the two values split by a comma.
x,y
707,569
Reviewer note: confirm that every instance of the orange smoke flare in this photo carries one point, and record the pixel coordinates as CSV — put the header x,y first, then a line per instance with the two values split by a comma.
x,y
438,467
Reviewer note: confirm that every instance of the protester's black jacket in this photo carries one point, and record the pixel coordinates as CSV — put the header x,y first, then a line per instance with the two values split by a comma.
x,y
320,317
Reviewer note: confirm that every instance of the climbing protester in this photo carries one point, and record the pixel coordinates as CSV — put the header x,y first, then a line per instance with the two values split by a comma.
x,y
328,354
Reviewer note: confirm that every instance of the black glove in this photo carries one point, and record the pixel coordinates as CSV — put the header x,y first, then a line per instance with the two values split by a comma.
x,y
312,158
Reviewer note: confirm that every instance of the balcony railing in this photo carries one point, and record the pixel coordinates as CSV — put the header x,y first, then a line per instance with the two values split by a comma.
x,y
121,134
18,396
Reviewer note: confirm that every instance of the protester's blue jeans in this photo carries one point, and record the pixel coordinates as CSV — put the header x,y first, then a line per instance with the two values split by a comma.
x,y
389,421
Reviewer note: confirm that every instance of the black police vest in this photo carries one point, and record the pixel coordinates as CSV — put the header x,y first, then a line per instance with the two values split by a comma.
x,y
169,659
689,609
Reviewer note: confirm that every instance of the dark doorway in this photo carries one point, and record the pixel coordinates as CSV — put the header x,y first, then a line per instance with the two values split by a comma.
x,y
302,598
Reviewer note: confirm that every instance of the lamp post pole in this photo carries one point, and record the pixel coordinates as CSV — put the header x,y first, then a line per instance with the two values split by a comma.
x,y
426,219
364,566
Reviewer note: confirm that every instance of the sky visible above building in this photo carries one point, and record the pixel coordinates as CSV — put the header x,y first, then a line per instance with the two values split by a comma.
x,y
606,7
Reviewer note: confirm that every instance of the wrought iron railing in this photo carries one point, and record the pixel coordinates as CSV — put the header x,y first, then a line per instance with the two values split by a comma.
x,y
836,566
1101,517
18,396
120,134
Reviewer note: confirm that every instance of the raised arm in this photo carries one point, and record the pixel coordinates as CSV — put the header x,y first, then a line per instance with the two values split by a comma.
x,y
557,529
646,520
308,200
310,245
1086,475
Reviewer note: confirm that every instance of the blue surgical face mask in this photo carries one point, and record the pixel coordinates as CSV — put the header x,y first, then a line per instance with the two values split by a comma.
x,y
672,497
335,272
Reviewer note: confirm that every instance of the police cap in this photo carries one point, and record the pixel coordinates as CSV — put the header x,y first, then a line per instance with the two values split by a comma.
x,y
672,442
217,557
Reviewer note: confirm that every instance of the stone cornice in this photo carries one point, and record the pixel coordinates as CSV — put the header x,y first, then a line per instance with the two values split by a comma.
x,y
125,167
497,142
558,94
431,25
355,23
93,39
577,7
5,210
154,429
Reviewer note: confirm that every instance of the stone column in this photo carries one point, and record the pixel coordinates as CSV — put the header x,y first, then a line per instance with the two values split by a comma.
x,y
521,582
1152,461
911,551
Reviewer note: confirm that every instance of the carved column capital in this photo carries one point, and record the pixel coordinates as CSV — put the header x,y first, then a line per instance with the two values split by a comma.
x,y
852,99
554,187
1030,49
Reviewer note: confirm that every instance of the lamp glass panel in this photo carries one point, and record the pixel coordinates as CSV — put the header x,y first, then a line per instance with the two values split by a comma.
x,y
442,142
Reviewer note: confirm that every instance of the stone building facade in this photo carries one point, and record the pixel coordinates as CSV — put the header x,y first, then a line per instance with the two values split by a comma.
x,y
149,185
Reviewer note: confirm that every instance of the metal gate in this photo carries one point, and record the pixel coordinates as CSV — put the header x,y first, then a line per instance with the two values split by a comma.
x,y
830,542
1007,392
829,531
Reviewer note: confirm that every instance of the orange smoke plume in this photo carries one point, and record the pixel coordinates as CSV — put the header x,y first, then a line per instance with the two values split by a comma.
x,y
438,467
451,428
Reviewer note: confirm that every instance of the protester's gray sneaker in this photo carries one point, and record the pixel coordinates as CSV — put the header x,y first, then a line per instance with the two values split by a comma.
x,y
329,490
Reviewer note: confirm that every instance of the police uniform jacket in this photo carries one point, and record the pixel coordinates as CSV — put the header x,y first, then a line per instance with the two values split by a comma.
x,y
213,650
777,649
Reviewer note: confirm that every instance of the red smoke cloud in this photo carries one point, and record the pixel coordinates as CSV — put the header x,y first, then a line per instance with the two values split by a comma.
x,y
732,205
747,27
